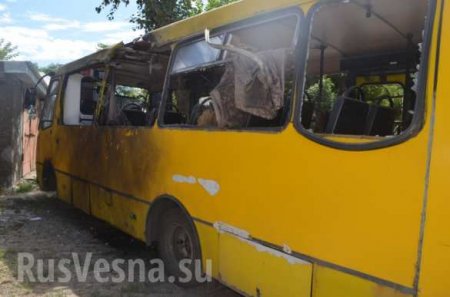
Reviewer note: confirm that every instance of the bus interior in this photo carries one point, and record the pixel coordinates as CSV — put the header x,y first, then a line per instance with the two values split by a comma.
x,y
362,68
124,91
238,79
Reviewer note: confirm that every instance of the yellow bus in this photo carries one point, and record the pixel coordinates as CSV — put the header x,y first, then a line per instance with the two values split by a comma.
x,y
301,146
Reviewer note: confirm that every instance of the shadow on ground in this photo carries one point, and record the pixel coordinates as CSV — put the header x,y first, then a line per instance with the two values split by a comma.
x,y
46,228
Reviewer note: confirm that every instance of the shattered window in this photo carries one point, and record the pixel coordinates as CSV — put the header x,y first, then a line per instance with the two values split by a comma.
x,y
195,54
132,89
243,78
90,89
133,103
362,69
82,93
49,105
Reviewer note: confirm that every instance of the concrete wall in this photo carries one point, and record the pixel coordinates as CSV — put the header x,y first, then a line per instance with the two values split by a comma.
x,y
11,93
18,131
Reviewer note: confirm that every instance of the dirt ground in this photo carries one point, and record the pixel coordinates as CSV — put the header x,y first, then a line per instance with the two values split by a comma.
x,y
39,224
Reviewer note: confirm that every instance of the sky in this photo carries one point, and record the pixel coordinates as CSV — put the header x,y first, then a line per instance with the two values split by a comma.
x,y
52,31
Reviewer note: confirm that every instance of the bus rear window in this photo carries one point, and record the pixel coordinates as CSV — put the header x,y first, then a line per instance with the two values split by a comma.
x,y
351,45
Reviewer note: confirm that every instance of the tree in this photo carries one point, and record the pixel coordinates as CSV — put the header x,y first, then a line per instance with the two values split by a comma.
x,y
153,14
102,46
217,3
52,67
202,6
329,94
7,50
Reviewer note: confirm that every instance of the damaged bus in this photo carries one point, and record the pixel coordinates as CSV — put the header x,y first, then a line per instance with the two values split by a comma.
x,y
301,146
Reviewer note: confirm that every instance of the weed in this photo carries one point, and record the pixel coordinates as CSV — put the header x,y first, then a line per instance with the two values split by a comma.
x,y
25,186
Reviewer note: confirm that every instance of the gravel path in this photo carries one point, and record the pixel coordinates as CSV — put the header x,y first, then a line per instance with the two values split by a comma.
x,y
45,227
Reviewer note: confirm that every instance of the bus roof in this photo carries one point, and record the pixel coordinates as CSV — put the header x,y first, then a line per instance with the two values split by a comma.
x,y
174,32
99,57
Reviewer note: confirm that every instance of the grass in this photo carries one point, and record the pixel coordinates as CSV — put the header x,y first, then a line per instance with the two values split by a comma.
x,y
60,293
133,288
8,259
25,186
98,294
9,256
2,254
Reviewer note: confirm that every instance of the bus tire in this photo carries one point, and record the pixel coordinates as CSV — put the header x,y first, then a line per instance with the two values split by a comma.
x,y
178,241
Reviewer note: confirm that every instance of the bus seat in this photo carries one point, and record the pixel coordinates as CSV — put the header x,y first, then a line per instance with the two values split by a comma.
x,y
348,117
255,121
307,114
173,117
380,121
135,117
152,114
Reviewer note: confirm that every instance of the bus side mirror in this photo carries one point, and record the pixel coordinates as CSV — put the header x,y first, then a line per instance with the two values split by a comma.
x,y
30,98
31,93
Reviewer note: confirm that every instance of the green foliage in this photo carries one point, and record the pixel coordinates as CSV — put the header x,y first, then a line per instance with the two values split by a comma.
x,y
379,94
373,92
197,8
329,94
53,67
153,14
26,186
217,3
102,46
132,93
7,50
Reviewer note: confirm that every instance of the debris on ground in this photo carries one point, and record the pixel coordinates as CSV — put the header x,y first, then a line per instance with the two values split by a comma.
x,y
39,224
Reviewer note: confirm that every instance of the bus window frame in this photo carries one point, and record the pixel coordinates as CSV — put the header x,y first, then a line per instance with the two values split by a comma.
x,y
95,123
130,127
418,121
55,79
226,29
65,78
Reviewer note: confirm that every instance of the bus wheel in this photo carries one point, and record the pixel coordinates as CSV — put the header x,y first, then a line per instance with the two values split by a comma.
x,y
48,179
179,248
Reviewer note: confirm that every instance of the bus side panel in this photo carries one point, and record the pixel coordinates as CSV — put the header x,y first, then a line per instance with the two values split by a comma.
x,y
64,187
332,283
101,204
124,213
129,215
80,198
435,272
261,271
286,190
209,243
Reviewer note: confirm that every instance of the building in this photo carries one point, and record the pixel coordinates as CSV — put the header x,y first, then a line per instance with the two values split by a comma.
x,y
18,123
